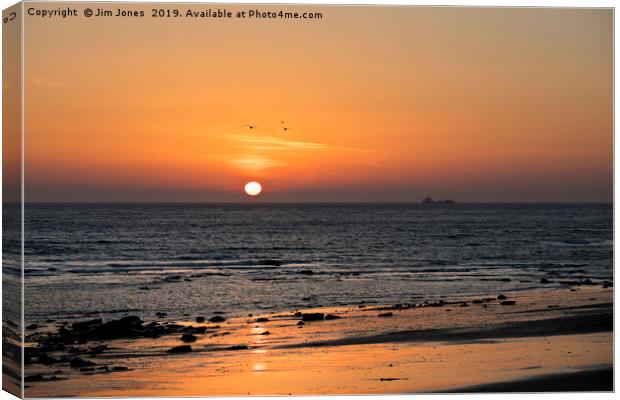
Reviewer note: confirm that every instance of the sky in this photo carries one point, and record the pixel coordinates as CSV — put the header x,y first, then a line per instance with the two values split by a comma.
x,y
385,104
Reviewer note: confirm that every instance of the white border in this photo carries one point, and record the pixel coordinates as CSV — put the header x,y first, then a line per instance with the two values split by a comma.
x,y
480,3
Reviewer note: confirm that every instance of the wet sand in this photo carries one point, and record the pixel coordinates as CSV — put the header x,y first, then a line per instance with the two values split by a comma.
x,y
476,344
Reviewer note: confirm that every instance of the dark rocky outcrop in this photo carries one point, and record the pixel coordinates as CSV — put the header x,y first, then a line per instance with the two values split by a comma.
x,y
238,347
195,329
307,317
77,362
188,338
180,349
276,263
46,359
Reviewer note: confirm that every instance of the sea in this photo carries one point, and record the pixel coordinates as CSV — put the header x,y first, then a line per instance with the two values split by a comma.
x,y
109,260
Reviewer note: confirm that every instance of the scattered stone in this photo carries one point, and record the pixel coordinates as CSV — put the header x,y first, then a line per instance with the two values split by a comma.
x,y
306,272
544,280
84,325
508,303
464,304
477,301
387,314
180,349
119,368
262,319
329,317
307,317
276,263
77,362
188,338
501,297
87,369
301,323
34,378
200,320
238,347
32,326
195,329
217,318
46,359
160,314
298,314
266,333
74,350
98,349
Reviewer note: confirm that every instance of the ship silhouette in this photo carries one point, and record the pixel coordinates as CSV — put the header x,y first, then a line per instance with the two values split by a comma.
x,y
429,200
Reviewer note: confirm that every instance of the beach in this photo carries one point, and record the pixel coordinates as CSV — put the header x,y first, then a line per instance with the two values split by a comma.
x,y
558,340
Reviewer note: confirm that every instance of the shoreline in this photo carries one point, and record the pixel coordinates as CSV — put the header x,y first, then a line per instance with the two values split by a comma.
x,y
363,349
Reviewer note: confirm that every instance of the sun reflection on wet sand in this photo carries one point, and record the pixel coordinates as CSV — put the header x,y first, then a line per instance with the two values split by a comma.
x,y
259,367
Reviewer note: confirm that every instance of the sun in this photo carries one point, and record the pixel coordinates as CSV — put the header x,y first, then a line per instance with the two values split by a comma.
x,y
253,188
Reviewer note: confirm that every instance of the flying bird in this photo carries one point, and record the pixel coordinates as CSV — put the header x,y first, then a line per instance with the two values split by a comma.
x,y
281,120
251,127
285,129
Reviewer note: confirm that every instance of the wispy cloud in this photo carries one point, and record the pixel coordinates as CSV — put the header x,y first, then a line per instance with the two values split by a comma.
x,y
276,143
259,152
256,162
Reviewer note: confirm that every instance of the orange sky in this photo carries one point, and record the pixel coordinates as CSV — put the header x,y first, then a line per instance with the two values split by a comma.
x,y
384,104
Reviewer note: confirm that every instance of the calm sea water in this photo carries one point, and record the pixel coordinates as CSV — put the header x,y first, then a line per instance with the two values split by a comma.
x,y
83,260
